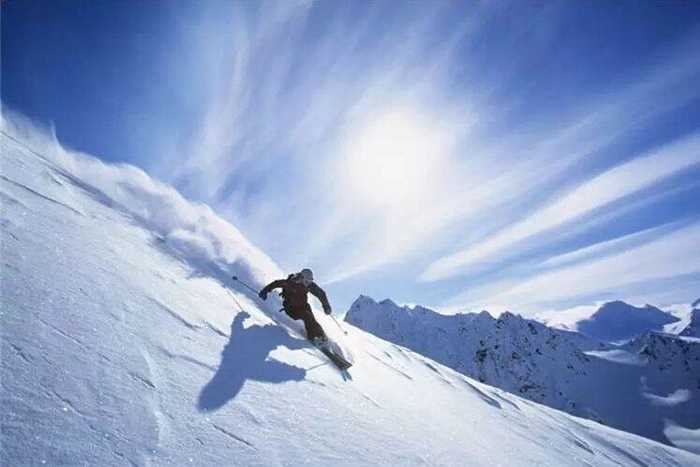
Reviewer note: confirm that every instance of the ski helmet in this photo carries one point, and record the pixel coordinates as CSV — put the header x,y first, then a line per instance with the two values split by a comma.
x,y
307,275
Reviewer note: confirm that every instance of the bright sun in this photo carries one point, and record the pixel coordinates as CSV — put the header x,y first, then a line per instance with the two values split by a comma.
x,y
394,160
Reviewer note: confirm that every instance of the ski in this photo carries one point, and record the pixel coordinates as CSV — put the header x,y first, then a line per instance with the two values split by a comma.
x,y
337,359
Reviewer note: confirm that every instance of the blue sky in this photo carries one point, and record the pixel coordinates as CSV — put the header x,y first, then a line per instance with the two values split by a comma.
x,y
461,155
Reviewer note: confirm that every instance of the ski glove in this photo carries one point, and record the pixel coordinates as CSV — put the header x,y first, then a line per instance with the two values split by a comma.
x,y
263,295
327,310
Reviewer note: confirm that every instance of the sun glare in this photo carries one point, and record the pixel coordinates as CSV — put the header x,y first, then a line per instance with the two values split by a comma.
x,y
393,160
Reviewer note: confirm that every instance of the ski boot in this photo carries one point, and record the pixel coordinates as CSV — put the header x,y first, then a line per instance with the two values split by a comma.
x,y
320,341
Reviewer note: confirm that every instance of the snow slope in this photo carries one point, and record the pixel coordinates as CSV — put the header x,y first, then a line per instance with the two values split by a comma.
x,y
618,386
692,329
122,346
684,313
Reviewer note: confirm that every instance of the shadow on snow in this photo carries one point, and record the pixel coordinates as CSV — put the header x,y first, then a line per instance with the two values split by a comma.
x,y
245,358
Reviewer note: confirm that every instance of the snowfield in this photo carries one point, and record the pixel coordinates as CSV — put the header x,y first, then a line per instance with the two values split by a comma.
x,y
125,343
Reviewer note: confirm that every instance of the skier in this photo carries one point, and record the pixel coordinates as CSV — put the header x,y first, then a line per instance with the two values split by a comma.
x,y
295,289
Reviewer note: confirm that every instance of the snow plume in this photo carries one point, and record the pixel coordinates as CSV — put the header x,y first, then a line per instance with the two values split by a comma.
x,y
193,232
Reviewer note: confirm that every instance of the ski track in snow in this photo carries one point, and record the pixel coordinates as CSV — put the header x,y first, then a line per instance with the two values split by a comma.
x,y
173,314
109,339
41,196
186,358
233,436
391,367
484,397
62,333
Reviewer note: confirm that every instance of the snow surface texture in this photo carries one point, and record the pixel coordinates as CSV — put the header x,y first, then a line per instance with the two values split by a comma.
x,y
121,346
652,381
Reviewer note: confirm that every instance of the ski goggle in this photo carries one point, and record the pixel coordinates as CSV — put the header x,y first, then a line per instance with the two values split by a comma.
x,y
300,278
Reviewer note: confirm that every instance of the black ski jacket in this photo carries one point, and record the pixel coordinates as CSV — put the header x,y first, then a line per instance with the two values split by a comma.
x,y
295,293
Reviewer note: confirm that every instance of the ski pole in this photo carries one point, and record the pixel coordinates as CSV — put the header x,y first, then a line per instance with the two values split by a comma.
x,y
235,278
339,326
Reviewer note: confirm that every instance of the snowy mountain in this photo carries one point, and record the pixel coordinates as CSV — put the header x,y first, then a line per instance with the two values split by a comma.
x,y
692,329
617,321
644,387
123,343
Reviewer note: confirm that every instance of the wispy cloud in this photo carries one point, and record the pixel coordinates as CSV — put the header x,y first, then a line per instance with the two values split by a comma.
x,y
283,136
608,247
614,184
354,137
670,256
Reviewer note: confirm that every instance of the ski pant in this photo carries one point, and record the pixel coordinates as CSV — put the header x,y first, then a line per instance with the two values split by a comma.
x,y
313,329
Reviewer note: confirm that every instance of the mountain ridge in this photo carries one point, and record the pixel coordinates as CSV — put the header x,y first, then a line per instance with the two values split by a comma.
x,y
562,369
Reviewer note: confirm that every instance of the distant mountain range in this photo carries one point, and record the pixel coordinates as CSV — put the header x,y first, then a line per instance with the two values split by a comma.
x,y
649,385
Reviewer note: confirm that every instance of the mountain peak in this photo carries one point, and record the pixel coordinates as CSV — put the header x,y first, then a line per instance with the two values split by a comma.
x,y
363,299
617,321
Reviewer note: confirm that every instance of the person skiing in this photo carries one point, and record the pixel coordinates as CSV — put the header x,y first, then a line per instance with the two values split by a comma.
x,y
295,289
